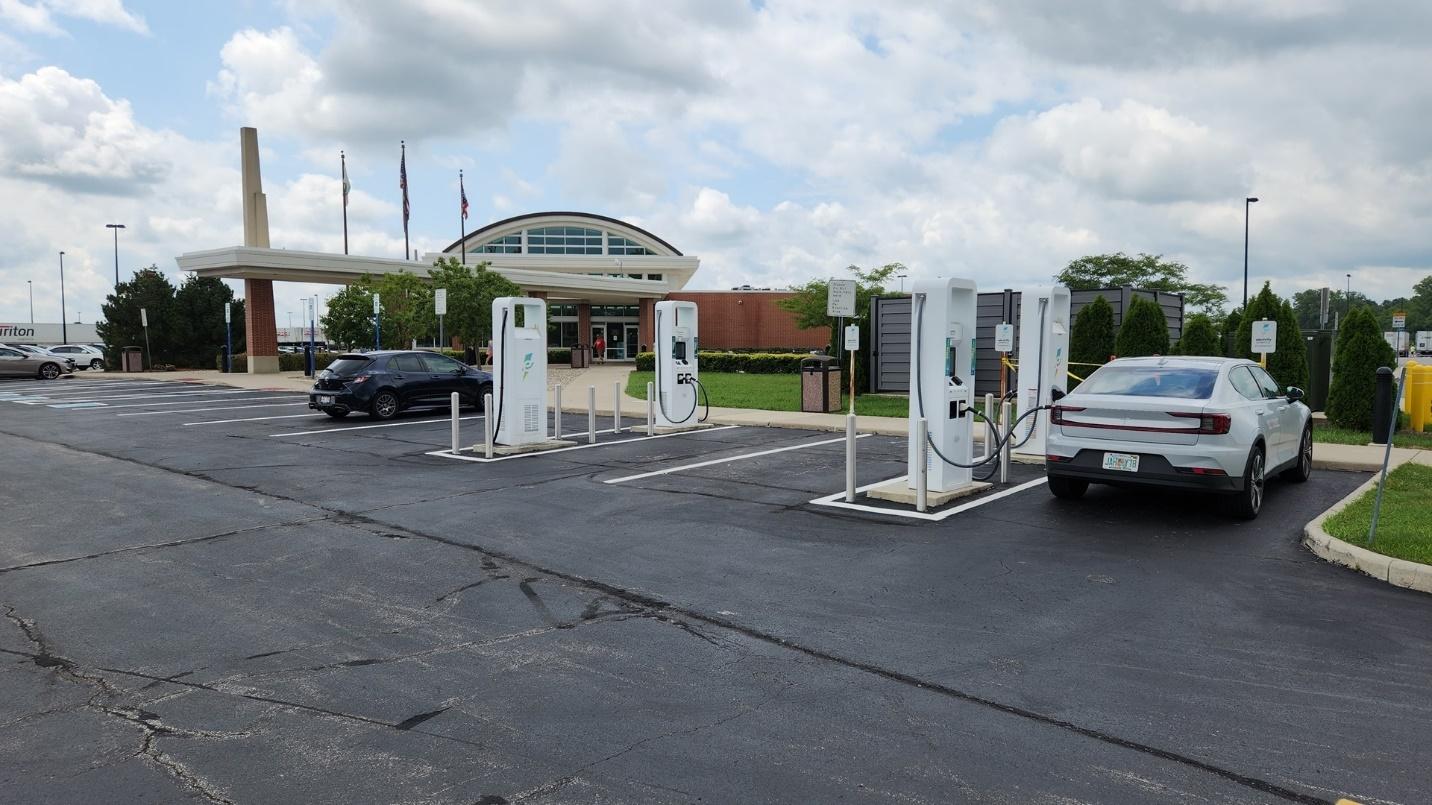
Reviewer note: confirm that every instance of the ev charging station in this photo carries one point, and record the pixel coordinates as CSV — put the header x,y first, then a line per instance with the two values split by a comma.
x,y
519,370
1043,362
676,370
942,382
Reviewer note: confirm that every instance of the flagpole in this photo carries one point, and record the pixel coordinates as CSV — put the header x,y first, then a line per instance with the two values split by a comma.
x,y
343,160
462,217
403,180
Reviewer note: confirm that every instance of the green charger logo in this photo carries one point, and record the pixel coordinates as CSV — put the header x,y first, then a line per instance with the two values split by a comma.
x,y
526,365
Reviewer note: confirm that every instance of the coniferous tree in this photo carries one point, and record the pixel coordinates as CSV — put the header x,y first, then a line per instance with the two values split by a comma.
x,y
1144,330
1361,349
1092,338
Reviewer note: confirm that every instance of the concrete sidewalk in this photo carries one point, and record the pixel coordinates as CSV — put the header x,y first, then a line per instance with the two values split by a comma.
x,y
606,378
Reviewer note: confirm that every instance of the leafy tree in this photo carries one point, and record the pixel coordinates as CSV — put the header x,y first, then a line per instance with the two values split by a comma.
x,y
810,299
1361,349
470,291
1306,305
1144,330
1092,338
1289,364
1229,332
349,319
1199,337
199,308
151,290
406,302
1148,271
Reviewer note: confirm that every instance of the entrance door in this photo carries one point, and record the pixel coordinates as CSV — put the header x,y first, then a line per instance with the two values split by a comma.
x,y
632,347
616,341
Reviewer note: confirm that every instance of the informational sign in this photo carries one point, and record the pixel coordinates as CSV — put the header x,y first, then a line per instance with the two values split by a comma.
x,y
440,302
1004,338
1399,320
852,337
227,313
1265,336
143,317
375,304
840,300
1324,300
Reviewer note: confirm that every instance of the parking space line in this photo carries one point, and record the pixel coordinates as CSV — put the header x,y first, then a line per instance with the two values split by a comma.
x,y
96,388
202,402
837,500
246,419
155,396
728,459
369,427
219,408
486,460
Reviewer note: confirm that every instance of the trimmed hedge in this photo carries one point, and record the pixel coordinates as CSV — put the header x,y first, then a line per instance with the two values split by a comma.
x,y
751,363
1360,351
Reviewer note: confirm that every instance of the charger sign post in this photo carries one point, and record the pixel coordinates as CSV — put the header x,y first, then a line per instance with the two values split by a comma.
x,y
1265,339
840,302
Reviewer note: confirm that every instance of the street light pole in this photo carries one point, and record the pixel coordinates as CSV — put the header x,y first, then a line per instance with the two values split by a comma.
x,y
116,228
1247,202
31,284
1347,297
64,328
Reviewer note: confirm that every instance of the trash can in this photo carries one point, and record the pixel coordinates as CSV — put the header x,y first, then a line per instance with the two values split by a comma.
x,y
224,358
581,356
131,359
820,384
1384,404
469,356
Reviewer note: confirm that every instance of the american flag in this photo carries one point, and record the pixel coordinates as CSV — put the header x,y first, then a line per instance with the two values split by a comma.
x,y
463,193
403,183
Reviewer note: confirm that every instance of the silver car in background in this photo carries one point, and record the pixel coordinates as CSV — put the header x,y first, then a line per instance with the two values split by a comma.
x,y
65,360
20,363
1210,424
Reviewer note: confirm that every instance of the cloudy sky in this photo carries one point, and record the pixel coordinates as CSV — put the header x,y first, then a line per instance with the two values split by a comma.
x,y
777,140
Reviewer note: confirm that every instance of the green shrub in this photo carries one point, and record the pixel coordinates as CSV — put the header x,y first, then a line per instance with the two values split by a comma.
x,y
1289,363
1360,350
557,355
1144,331
752,363
1092,339
1229,334
1199,337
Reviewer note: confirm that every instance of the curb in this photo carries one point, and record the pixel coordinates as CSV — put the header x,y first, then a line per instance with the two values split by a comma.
x,y
1397,572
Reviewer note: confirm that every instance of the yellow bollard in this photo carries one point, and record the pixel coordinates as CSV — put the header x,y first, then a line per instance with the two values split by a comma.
x,y
1417,398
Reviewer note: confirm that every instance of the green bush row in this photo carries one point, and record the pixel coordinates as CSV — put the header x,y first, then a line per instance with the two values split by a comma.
x,y
751,363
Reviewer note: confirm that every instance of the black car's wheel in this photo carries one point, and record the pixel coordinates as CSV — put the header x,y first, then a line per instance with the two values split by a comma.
x,y
1067,488
385,405
482,393
1246,504
97,365
336,414
49,371
1303,469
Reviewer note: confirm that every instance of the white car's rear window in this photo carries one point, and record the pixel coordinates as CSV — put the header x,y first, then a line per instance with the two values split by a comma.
x,y
1152,381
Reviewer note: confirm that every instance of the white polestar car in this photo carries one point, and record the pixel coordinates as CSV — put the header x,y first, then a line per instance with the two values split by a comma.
x,y
1213,424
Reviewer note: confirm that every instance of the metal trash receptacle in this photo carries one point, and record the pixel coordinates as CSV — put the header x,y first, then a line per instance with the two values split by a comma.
x,y
581,356
820,384
131,359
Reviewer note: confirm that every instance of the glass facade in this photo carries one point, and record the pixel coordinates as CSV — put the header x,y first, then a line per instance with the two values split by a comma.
x,y
507,244
619,245
566,240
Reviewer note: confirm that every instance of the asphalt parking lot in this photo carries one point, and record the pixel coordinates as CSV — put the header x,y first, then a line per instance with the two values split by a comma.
x,y
216,595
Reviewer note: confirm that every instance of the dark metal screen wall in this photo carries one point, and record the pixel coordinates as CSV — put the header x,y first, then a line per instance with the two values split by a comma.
x,y
890,339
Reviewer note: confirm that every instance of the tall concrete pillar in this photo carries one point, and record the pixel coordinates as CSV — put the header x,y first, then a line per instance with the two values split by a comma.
x,y
646,325
260,327
584,323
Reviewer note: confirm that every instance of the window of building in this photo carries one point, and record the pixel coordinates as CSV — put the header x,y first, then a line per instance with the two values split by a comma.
x,y
564,240
561,333
657,277
507,244
618,245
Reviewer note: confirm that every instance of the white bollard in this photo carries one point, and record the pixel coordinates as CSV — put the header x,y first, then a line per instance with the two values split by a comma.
x,y
990,428
557,411
650,409
1004,413
487,415
456,404
591,414
617,407
922,451
850,458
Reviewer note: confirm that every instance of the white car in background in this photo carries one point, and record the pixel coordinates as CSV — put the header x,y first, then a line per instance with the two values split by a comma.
x,y
1211,424
84,355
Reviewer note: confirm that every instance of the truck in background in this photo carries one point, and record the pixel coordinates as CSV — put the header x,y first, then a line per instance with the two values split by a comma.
x,y
1424,342
1398,340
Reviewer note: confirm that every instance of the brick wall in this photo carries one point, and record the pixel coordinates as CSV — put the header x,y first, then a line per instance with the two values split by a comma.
x,y
260,330
749,319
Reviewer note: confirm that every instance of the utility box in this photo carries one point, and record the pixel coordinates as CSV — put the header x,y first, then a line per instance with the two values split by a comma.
x,y
581,356
1320,367
820,384
131,359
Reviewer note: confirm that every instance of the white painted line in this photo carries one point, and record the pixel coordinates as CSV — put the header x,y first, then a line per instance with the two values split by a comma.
x,y
155,396
219,408
205,402
104,388
77,405
247,419
485,460
369,427
728,459
837,501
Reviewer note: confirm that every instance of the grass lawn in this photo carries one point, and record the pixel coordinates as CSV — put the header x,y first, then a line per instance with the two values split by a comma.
x,y
769,393
1402,529
1333,435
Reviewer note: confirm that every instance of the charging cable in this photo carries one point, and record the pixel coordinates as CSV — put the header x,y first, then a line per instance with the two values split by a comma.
x,y
501,375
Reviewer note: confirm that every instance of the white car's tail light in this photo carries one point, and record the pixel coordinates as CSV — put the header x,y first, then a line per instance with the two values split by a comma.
x,y
1208,424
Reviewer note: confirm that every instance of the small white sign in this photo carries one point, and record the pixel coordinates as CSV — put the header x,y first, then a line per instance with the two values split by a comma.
x,y
1265,336
852,337
840,300
143,317
1399,320
227,313
440,301
375,304
1004,338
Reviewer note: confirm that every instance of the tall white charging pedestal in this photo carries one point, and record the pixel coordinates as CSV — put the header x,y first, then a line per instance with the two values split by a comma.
x,y
942,380
519,370
1043,361
676,370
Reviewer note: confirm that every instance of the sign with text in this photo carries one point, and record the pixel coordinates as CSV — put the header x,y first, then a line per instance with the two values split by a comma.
x,y
227,313
1399,320
1265,336
440,301
143,317
840,299
375,304
1004,338
852,337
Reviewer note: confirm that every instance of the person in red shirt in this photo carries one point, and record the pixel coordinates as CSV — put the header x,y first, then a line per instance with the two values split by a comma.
x,y
600,349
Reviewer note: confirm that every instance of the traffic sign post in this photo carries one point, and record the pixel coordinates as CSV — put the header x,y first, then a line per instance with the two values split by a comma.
x,y
377,325
144,322
840,303
852,345
228,339
440,308
1265,340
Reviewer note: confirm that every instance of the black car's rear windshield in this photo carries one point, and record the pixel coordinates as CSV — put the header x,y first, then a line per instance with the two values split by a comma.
x,y
1152,381
347,365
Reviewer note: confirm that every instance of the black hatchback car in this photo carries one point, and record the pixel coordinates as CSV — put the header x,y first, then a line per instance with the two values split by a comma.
x,y
384,383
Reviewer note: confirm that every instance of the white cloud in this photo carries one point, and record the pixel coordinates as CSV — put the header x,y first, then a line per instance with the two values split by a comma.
x,y
39,17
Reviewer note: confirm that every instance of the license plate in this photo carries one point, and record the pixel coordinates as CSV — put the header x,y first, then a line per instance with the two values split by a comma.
x,y
326,399
1123,462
